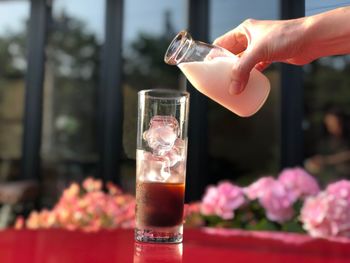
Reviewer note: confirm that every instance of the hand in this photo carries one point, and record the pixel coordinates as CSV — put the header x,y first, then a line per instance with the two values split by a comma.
x,y
314,164
258,43
296,41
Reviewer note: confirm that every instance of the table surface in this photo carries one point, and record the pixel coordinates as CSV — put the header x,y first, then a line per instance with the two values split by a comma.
x,y
200,245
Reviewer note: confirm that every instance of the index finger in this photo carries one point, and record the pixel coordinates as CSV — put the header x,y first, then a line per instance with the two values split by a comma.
x,y
234,41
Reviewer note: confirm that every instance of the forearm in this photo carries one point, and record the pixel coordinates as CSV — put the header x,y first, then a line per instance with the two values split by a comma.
x,y
337,158
328,33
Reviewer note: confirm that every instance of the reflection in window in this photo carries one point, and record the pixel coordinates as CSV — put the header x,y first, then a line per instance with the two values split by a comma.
x,y
13,33
327,110
69,150
243,148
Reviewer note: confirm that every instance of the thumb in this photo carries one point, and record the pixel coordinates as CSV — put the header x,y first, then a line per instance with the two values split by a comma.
x,y
241,71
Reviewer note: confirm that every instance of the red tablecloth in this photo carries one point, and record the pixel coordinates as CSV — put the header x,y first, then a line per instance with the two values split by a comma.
x,y
59,246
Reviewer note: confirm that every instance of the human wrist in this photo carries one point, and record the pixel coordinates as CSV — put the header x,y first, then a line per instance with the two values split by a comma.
x,y
327,33
313,40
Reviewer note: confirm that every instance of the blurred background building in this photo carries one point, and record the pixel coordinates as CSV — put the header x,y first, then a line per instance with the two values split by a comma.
x,y
72,113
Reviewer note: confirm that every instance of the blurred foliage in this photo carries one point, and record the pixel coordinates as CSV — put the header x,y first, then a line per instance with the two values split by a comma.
x,y
71,45
72,69
12,55
74,60
12,73
327,83
144,63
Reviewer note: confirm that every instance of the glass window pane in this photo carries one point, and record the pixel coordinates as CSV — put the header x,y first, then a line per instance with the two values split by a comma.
x,y
327,110
149,27
69,150
313,7
13,34
243,148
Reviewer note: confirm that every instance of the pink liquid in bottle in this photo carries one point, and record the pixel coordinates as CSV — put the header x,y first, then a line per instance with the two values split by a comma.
x,y
212,78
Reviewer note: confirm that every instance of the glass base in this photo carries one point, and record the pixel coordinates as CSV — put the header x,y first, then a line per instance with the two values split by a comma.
x,y
159,234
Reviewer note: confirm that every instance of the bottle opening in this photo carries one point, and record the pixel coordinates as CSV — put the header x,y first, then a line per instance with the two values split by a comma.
x,y
178,48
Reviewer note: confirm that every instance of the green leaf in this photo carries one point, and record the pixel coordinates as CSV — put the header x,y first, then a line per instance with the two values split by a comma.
x,y
212,220
264,224
292,226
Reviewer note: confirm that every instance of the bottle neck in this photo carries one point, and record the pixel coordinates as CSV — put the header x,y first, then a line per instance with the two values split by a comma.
x,y
179,48
184,49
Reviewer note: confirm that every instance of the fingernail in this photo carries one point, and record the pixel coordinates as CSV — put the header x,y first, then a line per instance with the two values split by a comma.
x,y
235,87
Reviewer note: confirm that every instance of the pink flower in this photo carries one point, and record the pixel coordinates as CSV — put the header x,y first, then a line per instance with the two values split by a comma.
x,y
340,189
326,215
20,223
209,201
274,197
257,189
222,200
192,208
299,182
113,189
71,192
33,221
278,202
192,216
90,184
88,210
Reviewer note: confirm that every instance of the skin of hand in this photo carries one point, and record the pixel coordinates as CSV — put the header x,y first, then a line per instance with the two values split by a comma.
x,y
258,43
314,164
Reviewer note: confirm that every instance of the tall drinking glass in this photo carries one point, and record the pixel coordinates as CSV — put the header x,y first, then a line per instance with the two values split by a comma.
x,y
161,165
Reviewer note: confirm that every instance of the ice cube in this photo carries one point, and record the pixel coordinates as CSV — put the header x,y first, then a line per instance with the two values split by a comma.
x,y
164,120
175,154
161,139
162,134
178,172
153,168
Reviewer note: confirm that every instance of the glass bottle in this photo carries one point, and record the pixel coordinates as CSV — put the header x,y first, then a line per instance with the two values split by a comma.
x,y
208,68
